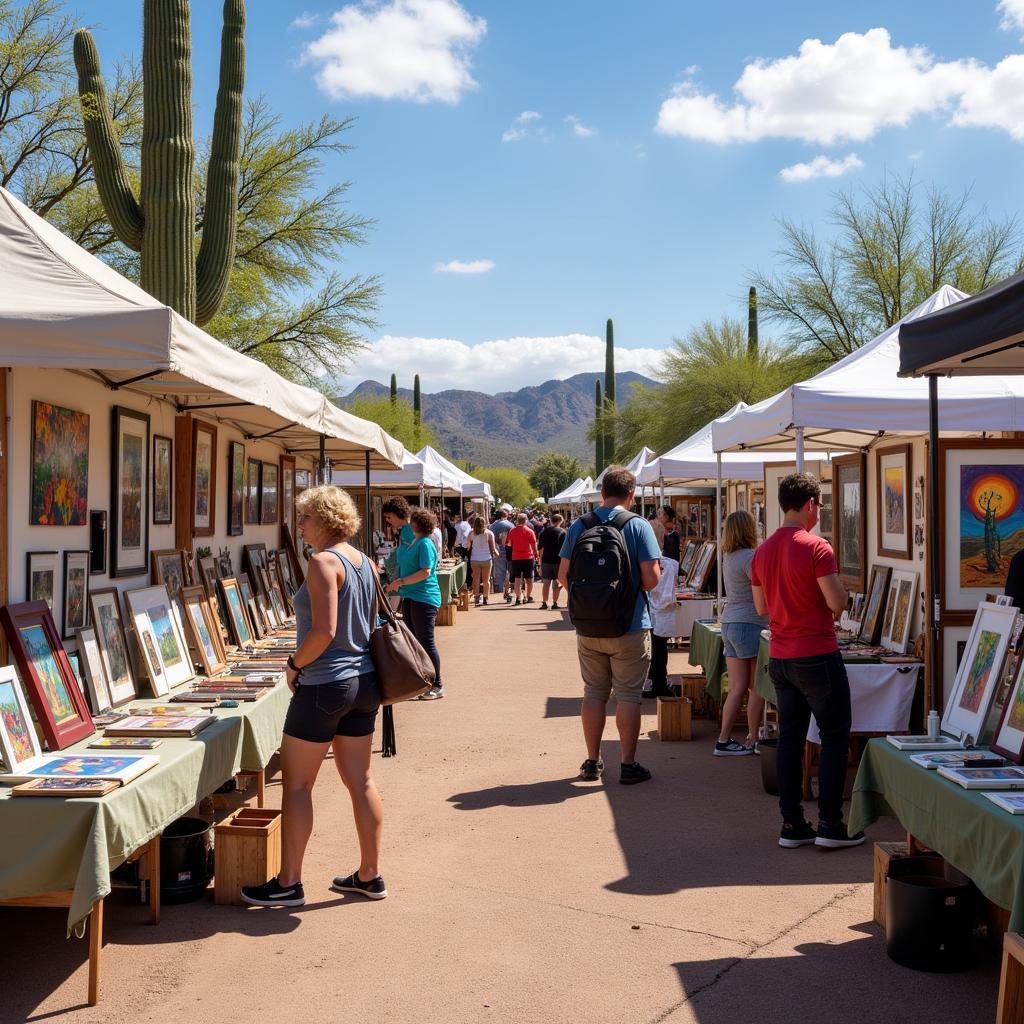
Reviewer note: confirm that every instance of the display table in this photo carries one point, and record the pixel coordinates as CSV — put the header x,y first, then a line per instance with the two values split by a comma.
x,y
686,613
706,651
451,581
975,836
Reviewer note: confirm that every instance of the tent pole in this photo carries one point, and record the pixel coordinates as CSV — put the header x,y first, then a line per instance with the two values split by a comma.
x,y
661,485
934,547
367,510
718,532
799,449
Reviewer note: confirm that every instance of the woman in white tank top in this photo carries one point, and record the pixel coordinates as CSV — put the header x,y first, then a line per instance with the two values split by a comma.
x,y
481,550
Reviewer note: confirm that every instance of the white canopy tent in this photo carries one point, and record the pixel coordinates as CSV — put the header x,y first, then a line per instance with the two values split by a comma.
x,y
414,475
469,486
568,494
635,466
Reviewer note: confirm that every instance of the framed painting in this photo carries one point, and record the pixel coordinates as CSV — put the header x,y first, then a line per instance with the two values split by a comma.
x,y
1009,738
293,555
850,520
268,493
893,507
254,562
159,635
18,741
60,466
742,493
238,620
277,604
204,478
169,569
205,634
284,571
686,563
874,606
113,645
236,487
899,610
252,491
287,481
773,474
129,508
92,668
163,480
978,677
302,481
61,708
255,619
224,566
981,518
76,592
41,576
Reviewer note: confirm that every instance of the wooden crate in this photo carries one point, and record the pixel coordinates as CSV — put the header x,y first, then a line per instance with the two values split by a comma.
x,y
246,850
446,614
675,718
1010,1009
464,600
884,853
692,687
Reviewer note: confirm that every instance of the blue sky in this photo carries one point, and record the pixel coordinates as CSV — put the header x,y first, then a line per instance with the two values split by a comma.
x,y
653,205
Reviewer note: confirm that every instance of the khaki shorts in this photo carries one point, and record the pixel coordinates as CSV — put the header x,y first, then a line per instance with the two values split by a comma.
x,y
615,665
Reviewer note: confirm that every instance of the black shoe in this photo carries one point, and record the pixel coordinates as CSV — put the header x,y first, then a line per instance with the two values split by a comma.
x,y
731,748
631,774
543,606
517,602
835,837
801,834
508,598
554,606
591,770
372,890
270,894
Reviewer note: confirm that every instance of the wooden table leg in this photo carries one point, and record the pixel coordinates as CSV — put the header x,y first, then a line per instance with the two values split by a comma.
x,y
261,787
95,948
153,860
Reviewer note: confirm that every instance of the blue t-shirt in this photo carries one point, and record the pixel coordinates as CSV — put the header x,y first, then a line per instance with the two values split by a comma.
x,y
642,546
421,555
406,536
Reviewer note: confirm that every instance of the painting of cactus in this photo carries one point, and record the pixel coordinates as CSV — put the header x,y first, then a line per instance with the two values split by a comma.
x,y
60,466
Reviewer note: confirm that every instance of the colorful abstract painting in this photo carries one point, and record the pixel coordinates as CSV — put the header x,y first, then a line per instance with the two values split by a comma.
x,y
1015,718
43,660
18,730
131,490
981,669
895,503
203,471
166,638
60,466
991,523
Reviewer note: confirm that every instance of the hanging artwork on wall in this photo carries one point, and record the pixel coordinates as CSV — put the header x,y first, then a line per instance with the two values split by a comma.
x,y
41,576
288,491
236,487
981,511
893,503
773,473
129,513
113,644
268,493
163,480
18,741
252,491
60,466
76,592
204,478
848,478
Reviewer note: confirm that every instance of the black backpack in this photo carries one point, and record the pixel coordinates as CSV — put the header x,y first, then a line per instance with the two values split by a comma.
x,y
602,598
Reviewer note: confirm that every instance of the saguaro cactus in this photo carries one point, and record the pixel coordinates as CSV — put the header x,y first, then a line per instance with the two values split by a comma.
x,y
609,391
161,224
394,390
598,429
752,321
417,407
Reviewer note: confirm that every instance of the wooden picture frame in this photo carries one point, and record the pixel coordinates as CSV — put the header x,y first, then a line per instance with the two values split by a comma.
x,y
41,576
268,493
75,595
874,605
1009,737
849,518
894,476
112,639
96,683
686,559
899,610
129,500
254,562
59,475
286,478
60,706
163,480
203,631
293,555
248,599
238,619
19,744
170,568
252,491
236,488
159,634
203,501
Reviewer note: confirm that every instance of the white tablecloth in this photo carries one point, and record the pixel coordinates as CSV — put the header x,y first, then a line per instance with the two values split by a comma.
x,y
679,621
880,698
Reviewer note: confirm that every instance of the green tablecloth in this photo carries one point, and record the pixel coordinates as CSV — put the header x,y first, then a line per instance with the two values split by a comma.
x,y
54,844
975,836
763,684
451,581
706,651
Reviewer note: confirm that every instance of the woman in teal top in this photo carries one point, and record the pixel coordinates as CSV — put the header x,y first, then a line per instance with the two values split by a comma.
x,y
418,587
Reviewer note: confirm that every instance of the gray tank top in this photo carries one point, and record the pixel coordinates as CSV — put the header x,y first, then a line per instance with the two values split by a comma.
x,y
349,652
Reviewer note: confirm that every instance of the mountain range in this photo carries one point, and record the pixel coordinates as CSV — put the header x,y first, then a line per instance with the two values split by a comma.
x,y
512,428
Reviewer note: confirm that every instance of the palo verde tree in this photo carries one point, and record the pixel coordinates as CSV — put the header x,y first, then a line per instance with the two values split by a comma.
x,y
553,472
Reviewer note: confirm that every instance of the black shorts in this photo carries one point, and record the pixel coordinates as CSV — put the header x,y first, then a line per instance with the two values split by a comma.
x,y
521,568
320,712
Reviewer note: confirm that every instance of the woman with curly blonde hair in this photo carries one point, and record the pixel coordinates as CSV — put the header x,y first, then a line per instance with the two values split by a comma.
x,y
335,698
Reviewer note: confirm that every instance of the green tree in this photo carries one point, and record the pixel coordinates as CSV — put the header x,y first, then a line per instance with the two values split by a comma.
x,y
553,472
507,484
397,418
892,246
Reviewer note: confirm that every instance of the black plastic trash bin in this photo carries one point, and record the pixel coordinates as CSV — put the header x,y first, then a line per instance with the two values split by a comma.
x,y
769,779
186,860
929,915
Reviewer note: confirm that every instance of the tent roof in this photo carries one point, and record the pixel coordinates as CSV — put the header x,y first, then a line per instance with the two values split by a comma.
x,y
635,466
62,308
573,491
979,335
413,475
856,401
470,486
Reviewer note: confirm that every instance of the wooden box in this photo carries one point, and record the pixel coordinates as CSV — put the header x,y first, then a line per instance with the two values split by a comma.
x,y
884,853
1010,1008
464,602
693,688
675,718
446,614
246,850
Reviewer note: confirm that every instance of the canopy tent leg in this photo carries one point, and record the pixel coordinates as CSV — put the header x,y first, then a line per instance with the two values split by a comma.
x,y
799,449
368,526
323,474
718,531
933,540
661,486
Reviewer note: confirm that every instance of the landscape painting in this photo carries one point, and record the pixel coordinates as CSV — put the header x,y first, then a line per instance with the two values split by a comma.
x,y
981,669
43,660
166,638
129,480
163,475
894,525
60,466
991,523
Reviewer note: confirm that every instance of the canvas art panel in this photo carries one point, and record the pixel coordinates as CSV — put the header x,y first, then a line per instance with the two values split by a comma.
x,y
60,466
268,493
163,479
41,576
157,629
113,645
893,500
92,668
129,513
874,608
236,487
848,482
252,491
18,741
899,610
76,592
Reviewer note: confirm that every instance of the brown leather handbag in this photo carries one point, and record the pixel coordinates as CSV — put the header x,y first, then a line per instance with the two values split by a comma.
x,y
404,670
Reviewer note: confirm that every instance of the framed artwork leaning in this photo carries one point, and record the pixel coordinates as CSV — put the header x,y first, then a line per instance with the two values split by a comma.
x,y
204,633
129,505
159,634
41,576
92,668
204,478
1009,739
899,610
76,592
893,500
238,619
18,741
874,605
849,514
113,645
59,491
163,480
236,488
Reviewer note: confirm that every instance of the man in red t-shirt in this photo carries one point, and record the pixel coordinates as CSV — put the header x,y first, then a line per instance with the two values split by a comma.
x,y
795,582
523,542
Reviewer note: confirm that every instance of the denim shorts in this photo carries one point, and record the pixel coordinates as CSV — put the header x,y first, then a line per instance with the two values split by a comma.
x,y
741,639
319,712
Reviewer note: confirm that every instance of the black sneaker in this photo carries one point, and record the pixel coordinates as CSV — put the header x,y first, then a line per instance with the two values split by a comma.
x,y
554,606
529,600
508,599
517,602
835,837
543,606
270,894
792,836
731,748
372,890
591,770
631,774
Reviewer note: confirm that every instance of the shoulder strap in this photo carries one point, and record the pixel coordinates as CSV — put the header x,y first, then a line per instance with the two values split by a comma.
x,y
590,520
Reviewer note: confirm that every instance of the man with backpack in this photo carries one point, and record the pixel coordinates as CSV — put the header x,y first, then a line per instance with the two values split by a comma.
x,y
609,559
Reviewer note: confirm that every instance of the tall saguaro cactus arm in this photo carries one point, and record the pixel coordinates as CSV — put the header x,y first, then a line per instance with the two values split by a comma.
x,y
216,253
104,145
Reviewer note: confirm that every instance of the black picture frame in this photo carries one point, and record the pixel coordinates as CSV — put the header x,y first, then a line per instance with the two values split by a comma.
x,y
236,488
163,515
74,615
129,512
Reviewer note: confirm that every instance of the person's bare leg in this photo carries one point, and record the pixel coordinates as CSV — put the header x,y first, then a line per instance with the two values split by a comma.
x,y
300,764
627,720
545,590
593,713
529,586
740,671
485,579
755,706
557,591
352,757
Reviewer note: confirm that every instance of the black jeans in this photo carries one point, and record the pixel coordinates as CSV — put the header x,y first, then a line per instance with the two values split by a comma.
x,y
806,686
421,619
659,665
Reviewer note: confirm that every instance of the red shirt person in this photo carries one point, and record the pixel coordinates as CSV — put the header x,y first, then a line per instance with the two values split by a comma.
x,y
794,581
523,542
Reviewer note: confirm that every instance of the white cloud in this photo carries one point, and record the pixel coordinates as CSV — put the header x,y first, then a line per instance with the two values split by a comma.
x,y
579,129
492,366
520,127
821,167
464,267
1013,15
305,20
401,49
849,90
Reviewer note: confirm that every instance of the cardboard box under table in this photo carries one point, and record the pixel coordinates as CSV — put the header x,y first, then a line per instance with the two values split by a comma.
x,y
60,852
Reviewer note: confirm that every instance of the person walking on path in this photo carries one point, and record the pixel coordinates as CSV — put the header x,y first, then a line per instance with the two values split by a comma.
x,y
741,634
795,582
335,698
611,572
550,544
420,592
501,578
523,542
670,543
482,552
